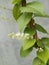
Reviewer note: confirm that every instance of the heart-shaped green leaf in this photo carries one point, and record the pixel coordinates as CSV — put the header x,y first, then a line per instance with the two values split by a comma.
x,y
37,61
36,8
16,11
24,53
40,28
23,20
28,43
43,55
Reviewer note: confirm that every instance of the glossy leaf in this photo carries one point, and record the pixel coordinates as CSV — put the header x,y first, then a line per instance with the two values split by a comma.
x,y
23,20
36,8
43,55
16,1
37,61
28,43
16,11
24,53
40,28
45,41
30,31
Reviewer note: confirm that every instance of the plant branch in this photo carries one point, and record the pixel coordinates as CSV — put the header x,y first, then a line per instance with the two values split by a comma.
x,y
23,2
32,25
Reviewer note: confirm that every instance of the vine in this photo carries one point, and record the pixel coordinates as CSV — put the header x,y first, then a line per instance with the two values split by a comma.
x,y
24,14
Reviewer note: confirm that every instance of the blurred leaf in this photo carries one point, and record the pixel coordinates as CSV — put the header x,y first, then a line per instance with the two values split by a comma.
x,y
43,55
28,43
40,44
30,31
16,1
16,11
37,61
36,8
45,41
24,53
23,20
48,62
40,28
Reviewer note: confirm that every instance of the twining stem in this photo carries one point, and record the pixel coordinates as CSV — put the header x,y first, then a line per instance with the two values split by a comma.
x,y
32,25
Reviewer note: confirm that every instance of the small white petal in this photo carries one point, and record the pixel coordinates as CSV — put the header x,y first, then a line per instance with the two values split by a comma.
x,y
22,35
40,50
17,35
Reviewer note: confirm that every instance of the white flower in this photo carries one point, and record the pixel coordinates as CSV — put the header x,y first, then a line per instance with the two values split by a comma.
x,y
18,35
40,50
22,35
26,35
12,35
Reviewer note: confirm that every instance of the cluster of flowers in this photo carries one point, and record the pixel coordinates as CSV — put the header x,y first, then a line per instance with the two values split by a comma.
x,y
19,35
39,49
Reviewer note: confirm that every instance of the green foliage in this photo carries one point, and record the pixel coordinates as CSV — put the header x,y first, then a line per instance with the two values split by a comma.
x,y
45,41
40,44
24,16
34,7
23,20
48,62
24,53
43,55
16,12
30,31
38,61
40,28
28,43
